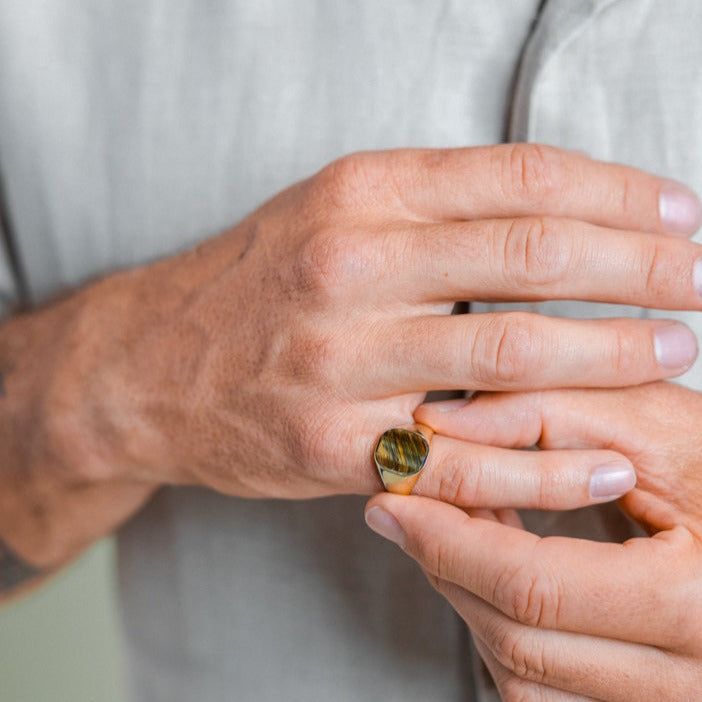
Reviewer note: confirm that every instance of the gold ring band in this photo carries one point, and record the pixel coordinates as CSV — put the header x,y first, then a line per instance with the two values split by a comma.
x,y
400,455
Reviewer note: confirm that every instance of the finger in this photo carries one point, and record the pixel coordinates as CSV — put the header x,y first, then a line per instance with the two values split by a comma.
x,y
522,179
525,419
472,475
654,425
524,351
482,513
573,419
639,591
513,687
542,258
510,517
598,668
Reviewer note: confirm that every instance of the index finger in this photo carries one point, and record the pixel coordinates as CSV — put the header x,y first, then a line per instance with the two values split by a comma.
x,y
511,180
621,591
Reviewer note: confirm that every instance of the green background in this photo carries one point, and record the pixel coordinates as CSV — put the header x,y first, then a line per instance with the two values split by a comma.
x,y
63,642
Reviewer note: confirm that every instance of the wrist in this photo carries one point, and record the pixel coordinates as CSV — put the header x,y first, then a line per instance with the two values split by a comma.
x,y
96,406
64,480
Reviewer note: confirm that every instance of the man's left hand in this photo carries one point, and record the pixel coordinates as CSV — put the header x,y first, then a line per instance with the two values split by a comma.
x,y
560,618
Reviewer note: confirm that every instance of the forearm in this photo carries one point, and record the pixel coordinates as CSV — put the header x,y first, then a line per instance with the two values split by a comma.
x,y
56,493
109,394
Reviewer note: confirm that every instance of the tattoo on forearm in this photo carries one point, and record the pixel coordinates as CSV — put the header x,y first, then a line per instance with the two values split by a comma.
x,y
14,571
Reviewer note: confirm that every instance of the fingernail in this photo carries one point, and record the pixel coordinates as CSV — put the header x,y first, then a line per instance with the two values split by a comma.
x,y
449,405
675,345
680,209
383,523
697,275
611,480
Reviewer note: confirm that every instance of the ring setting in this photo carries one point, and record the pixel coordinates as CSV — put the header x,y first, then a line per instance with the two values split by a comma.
x,y
400,456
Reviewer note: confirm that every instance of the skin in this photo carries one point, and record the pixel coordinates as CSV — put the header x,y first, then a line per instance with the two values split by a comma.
x,y
566,619
267,361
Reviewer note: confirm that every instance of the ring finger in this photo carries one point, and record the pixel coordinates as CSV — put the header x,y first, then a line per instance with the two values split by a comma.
x,y
472,475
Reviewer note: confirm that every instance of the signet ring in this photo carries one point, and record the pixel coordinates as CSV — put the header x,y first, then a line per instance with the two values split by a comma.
x,y
400,455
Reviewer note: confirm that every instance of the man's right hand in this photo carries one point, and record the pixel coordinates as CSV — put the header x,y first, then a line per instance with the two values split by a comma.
x,y
267,361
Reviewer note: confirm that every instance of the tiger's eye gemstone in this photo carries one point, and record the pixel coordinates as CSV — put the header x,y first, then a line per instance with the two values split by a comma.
x,y
400,455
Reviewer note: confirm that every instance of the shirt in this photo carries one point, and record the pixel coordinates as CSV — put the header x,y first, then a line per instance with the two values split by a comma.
x,y
130,130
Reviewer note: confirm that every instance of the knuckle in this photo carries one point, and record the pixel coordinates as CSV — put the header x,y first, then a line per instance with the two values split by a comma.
x,y
627,202
348,180
623,352
436,557
521,654
514,689
531,599
527,172
327,262
440,558
650,267
535,253
506,350
464,484
453,487
658,269
624,355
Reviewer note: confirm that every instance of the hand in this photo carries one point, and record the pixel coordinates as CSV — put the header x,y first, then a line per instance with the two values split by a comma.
x,y
657,426
268,361
614,622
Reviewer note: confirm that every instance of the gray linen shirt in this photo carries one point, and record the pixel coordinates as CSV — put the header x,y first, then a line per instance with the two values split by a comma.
x,y
131,129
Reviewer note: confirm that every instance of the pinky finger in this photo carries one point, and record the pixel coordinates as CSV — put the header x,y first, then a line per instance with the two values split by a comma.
x,y
512,688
